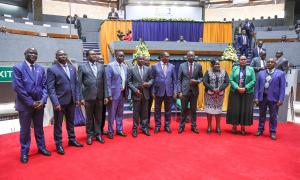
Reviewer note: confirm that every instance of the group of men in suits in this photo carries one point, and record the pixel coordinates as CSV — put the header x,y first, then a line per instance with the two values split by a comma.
x,y
96,87
244,36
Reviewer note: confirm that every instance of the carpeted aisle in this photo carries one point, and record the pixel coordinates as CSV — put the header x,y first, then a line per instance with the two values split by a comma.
x,y
161,156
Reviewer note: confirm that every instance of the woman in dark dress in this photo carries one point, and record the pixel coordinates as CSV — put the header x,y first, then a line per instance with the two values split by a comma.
x,y
215,81
240,102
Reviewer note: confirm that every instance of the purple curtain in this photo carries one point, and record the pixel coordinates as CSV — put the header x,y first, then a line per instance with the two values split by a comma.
x,y
160,30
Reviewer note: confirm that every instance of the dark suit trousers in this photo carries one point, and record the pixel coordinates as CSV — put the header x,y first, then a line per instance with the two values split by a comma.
x,y
186,99
243,50
68,111
150,101
25,118
94,117
273,110
167,103
103,117
140,113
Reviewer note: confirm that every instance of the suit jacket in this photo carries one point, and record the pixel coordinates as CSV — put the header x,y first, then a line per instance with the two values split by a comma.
x,y
249,79
240,41
92,87
114,80
276,90
256,64
110,15
135,81
282,64
28,87
184,78
255,52
61,89
161,83
249,28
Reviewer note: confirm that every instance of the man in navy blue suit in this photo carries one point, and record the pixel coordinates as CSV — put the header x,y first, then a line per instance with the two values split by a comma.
x,y
249,27
29,82
163,90
269,93
258,49
64,93
243,43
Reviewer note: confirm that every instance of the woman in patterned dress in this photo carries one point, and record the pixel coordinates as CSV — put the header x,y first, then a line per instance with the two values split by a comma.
x,y
215,81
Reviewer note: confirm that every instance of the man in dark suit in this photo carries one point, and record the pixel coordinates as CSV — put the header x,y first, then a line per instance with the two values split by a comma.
x,y
259,63
163,90
243,43
64,93
92,79
116,76
281,62
249,27
140,81
113,15
269,93
147,63
101,61
29,82
189,77
258,49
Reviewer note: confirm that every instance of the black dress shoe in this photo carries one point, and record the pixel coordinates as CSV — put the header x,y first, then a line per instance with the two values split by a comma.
x,y
44,152
218,130
74,143
134,133
233,130
258,133
180,130
168,130
110,135
100,139
243,131
208,131
195,130
273,136
156,130
104,132
24,158
60,150
146,132
121,134
89,141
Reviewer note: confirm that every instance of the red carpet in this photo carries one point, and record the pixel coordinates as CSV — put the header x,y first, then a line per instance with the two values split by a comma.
x,y
161,156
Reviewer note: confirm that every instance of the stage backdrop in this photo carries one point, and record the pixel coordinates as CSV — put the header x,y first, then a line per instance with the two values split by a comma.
x,y
212,32
160,30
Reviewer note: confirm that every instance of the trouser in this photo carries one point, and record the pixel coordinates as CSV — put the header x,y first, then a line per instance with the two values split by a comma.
x,y
186,99
140,113
94,117
273,111
67,110
115,112
25,118
167,103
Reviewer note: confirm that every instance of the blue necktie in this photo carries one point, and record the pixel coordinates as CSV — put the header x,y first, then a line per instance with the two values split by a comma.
x,y
67,70
32,70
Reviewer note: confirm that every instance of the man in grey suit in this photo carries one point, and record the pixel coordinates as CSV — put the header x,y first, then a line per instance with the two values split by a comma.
x,y
259,63
92,80
140,81
281,62
189,77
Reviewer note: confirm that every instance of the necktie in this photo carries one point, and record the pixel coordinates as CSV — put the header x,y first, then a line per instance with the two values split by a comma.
x,y
141,71
94,69
122,73
244,40
191,69
32,70
165,69
67,70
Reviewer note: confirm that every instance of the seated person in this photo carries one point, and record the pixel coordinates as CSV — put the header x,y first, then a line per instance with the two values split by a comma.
x,y
181,39
283,38
120,35
128,36
113,14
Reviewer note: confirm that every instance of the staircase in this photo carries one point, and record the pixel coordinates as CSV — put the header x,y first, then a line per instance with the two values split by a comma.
x,y
90,45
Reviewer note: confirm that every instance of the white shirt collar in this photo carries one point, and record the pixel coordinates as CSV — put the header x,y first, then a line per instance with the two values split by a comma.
x,y
63,65
270,71
28,64
91,64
